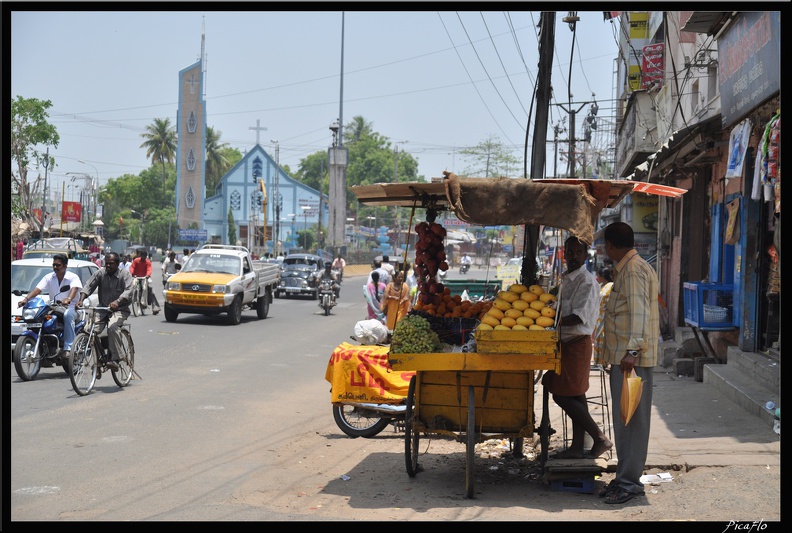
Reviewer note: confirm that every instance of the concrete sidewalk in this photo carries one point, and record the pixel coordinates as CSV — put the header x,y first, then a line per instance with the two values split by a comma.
x,y
693,425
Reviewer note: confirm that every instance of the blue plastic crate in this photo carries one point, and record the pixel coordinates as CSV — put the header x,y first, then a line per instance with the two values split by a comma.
x,y
585,485
709,305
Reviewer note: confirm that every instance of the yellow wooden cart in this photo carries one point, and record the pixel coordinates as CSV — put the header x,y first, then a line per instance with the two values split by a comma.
x,y
473,397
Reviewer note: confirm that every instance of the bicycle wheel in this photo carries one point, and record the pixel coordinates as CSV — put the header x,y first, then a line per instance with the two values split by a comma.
x,y
83,364
123,375
136,300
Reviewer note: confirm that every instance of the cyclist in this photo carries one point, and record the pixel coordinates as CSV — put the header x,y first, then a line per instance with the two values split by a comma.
x,y
141,268
115,291
52,283
338,266
170,266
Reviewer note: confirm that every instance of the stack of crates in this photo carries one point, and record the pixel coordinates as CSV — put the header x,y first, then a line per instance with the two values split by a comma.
x,y
709,305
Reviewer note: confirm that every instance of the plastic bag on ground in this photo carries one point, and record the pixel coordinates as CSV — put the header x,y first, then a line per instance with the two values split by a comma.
x,y
371,331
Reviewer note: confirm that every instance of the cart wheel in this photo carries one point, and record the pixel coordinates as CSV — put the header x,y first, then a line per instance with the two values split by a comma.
x,y
470,470
544,427
411,436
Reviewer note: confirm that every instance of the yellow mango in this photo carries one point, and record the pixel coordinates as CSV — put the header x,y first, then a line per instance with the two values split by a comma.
x,y
520,305
534,327
525,321
529,296
544,321
548,311
513,313
502,304
501,327
519,327
537,304
490,320
497,313
547,297
518,288
532,313
508,296
536,289
508,322
484,326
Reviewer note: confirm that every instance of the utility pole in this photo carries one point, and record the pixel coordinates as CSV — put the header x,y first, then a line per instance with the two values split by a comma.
x,y
277,206
44,194
396,180
538,156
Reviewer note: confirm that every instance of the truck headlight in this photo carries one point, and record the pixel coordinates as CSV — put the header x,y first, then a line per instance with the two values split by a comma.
x,y
222,289
173,286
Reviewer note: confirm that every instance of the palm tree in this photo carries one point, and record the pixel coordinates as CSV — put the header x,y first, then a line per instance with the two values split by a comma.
x,y
357,128
160,145
217,164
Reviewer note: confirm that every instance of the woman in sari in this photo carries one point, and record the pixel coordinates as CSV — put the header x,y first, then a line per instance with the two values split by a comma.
x,y
373,291
396,300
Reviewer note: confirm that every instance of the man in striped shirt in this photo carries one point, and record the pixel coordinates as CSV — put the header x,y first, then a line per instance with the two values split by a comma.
x,y
632,332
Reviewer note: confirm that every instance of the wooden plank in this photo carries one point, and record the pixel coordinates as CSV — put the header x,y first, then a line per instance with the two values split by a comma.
x,y
474,361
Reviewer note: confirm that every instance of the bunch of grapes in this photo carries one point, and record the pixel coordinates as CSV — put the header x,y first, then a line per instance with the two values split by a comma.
x,y
413,334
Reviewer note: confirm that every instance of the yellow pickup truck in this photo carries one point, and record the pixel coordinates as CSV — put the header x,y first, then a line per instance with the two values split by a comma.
x,y
220,279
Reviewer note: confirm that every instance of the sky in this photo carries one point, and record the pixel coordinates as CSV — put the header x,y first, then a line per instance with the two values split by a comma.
x,y
431,82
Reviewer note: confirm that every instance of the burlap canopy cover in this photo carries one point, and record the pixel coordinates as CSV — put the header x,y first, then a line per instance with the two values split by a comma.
x,y
507,201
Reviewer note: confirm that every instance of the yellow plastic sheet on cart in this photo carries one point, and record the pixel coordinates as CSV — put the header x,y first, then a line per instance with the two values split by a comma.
x,y
363,374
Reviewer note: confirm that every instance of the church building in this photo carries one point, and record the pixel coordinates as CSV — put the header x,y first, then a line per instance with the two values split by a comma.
x,y
262,198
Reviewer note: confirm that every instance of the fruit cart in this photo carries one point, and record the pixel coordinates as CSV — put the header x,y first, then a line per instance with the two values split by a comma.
x,y
473,397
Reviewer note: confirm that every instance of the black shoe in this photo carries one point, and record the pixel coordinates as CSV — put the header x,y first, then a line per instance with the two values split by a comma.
x,y
155,312
112,365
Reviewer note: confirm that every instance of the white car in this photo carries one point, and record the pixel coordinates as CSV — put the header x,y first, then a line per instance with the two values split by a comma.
x,y
25,275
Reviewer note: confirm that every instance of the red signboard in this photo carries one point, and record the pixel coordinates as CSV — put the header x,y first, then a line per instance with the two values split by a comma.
x,y
652,65
71,212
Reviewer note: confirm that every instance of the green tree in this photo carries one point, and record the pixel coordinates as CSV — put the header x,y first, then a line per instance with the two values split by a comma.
x,y
160,145
490,158
232,232
217,164
372,158
30,130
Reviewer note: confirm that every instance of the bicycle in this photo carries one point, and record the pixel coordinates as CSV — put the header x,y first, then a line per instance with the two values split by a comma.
x,y
90,354
140,296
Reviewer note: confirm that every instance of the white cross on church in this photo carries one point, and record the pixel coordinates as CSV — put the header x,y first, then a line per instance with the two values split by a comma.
x,y
192,82
259,128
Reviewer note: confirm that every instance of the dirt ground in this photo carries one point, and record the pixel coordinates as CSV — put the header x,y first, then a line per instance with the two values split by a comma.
x,y
506,488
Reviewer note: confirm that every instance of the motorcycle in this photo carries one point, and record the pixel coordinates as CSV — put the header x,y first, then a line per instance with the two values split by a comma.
x,y
40,345
327,296
464,268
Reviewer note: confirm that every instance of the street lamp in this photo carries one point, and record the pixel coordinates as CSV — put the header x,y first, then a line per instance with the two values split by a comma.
x,y
370,228
94,187
305,209
142,220
293,239
354,235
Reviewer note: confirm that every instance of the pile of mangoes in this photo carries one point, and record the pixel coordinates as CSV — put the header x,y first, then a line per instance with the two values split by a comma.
x,y
520,308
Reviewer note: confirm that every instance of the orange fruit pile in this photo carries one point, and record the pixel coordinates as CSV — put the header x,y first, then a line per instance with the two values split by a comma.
x,y
448,306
